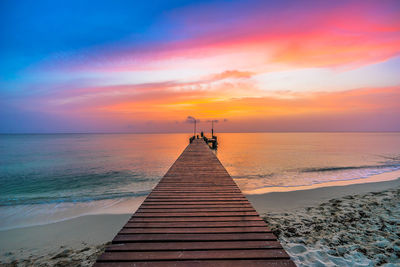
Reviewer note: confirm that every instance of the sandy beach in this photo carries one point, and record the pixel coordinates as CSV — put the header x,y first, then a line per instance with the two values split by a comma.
x,y
75,242
353,225
358,227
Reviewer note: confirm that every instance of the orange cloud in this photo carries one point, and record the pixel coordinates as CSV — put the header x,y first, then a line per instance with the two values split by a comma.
x,y
232,74
159,104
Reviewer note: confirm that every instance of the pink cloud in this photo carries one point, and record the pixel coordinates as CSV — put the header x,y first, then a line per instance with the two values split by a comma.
x,y
354,32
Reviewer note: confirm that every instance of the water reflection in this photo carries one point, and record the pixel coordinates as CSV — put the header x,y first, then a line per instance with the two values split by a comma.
x,y
260,160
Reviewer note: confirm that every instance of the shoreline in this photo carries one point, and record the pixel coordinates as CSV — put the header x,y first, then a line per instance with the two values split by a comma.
x,y
43,214
376,178
81,239
291,200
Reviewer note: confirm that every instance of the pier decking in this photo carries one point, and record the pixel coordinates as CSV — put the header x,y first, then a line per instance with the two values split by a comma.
x,y
195,216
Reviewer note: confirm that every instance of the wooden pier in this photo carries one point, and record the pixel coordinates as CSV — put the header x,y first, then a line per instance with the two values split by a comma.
x,y
195,216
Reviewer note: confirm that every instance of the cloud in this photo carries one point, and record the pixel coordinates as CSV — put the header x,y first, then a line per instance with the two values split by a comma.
x,y
327,35
191,119
232,74
358,109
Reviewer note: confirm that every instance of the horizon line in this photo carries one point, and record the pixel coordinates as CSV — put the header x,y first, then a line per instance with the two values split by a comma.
x,y
38,133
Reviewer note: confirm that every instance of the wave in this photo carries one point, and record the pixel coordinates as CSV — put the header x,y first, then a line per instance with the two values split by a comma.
x,y
67,186
293,178
254,176
391,167
330,169
317,183
49,200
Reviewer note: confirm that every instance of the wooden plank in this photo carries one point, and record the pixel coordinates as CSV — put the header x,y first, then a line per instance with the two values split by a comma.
x,y
166,182
192,207
196,192
195,219
163,246
196,203
193,189
206,187
198,209
194,197
196,214
194,224
205,230
202,263
195,255
166,205
199,200
196,188
193,237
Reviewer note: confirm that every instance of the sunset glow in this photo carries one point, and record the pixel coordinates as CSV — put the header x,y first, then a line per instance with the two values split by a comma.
x,y
251,65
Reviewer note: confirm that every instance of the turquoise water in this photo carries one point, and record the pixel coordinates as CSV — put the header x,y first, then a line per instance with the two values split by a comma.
x,y
77,169
82,167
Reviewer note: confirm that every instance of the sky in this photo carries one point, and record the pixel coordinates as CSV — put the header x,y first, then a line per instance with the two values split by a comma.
x,y
151,66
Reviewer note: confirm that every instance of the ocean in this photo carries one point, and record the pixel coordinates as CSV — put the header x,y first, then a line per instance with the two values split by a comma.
x,y
51,177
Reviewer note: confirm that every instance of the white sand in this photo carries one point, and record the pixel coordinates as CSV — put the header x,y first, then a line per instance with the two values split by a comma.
x,y
290,201
78,241
360,229
72,241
